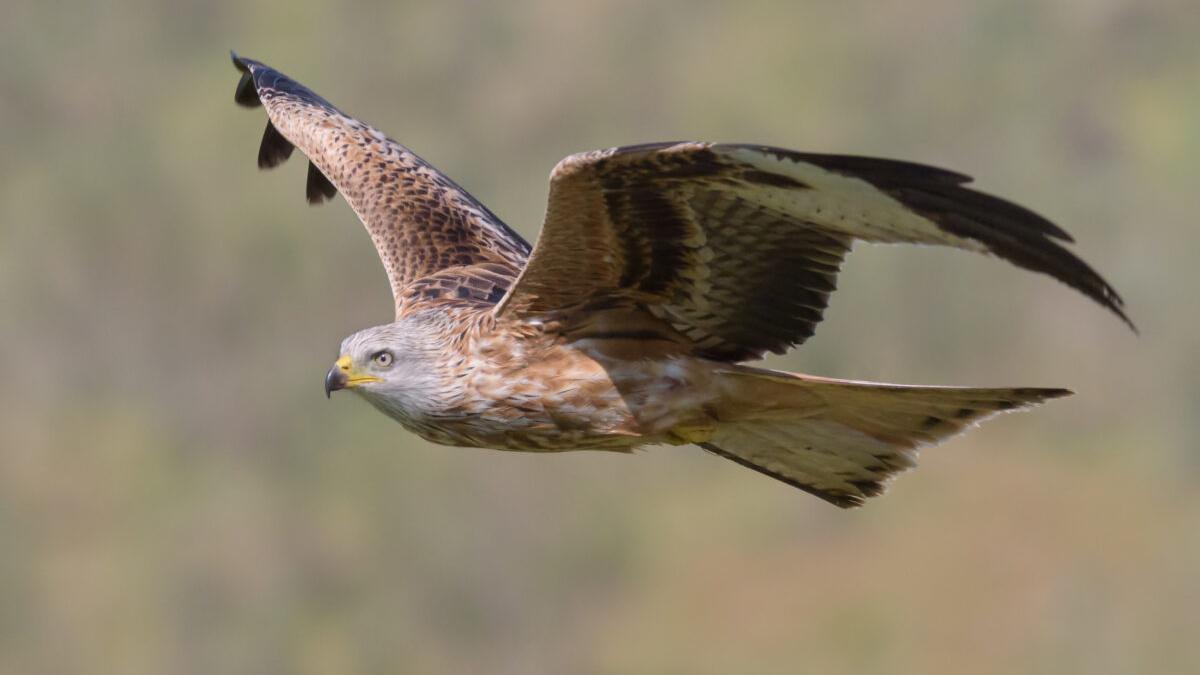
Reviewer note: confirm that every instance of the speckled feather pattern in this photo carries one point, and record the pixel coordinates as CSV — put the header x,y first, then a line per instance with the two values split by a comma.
x,y
420,221
659,267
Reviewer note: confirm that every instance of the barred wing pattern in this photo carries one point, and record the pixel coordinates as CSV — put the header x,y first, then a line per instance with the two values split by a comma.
x,y
420,221
739,246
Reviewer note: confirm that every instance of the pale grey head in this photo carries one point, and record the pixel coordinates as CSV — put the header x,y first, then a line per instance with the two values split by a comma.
x,y
396,367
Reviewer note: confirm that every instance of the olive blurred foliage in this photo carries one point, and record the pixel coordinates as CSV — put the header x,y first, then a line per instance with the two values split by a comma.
x,y
177,496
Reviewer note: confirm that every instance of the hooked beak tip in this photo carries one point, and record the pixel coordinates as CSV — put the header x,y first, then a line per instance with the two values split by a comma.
x,y
335,379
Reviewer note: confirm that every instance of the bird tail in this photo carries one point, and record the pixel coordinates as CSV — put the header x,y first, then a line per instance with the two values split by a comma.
x,y
843,440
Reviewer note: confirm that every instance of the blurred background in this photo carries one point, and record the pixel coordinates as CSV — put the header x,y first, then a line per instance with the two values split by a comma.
x,y
177,496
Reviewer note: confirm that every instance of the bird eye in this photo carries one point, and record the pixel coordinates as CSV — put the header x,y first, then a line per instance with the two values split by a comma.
x,y
383,359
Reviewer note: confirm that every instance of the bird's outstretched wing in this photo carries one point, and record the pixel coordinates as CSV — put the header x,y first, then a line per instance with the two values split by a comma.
x,y
421,222
738,246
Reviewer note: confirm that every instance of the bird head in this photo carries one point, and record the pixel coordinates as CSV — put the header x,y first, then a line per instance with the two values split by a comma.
x,y
393,366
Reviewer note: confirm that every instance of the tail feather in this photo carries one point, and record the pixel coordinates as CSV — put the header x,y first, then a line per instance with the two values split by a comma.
x,y
843,440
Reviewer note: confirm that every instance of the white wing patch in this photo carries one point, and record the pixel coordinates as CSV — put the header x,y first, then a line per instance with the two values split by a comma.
x,y
845,204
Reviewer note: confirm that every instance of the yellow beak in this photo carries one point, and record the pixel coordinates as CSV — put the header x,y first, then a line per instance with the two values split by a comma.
x,y
343,376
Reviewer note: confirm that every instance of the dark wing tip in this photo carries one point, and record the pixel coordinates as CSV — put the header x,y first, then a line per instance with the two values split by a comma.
x,y
1111,300
318,188
1050,258
1009,230
860,166
919,181
1041,394
274,149
257,76
246,93
1120,312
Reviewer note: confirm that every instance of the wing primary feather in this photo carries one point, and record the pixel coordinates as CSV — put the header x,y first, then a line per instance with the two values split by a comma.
x,y
1000,213
318,188
867,168
274,149
906,180
1047,257
246,93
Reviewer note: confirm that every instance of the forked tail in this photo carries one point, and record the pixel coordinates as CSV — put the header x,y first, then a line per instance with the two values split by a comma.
x,y
843,440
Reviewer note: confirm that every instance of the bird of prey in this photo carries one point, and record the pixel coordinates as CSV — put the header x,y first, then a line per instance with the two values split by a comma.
x,y
659,269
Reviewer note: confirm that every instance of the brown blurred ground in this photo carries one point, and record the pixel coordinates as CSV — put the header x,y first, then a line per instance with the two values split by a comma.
x,y
177,496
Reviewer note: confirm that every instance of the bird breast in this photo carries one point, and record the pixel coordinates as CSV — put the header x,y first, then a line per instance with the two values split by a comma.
x,y
518,395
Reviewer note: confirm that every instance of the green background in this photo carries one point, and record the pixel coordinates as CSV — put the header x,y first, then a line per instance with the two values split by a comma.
x,y
177,496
